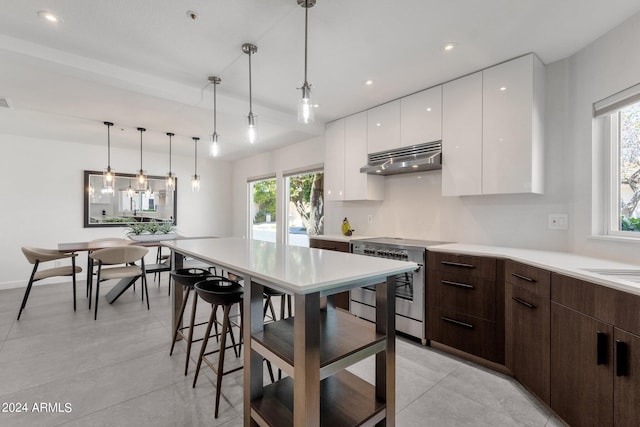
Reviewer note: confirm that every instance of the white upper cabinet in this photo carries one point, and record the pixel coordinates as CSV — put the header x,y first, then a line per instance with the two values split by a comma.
x,y
357,185
421,117
493,130
334,161
462,136
383,127
512,132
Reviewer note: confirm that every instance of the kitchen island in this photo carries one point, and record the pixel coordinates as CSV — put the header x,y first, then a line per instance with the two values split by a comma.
x,y
318,343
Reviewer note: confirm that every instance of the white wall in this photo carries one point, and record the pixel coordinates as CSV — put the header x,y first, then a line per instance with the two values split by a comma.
x,y
42,196
608,65
292,157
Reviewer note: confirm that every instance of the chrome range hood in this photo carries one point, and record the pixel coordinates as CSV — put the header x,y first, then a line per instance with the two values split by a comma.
x,y
415,158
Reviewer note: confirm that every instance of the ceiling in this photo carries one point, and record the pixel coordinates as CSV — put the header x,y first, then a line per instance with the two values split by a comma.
x,y
146,63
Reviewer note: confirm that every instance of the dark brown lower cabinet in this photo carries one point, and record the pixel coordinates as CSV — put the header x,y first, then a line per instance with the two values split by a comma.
x,y
527,326
341,299
581,368
626,386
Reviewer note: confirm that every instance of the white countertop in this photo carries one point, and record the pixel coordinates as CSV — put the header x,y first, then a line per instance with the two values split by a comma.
x,y
560,262
294,269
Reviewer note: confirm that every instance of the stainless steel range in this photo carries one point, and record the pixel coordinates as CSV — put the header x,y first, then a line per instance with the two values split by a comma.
x,y
411,287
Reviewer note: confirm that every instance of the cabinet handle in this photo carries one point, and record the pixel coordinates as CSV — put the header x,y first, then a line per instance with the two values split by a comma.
x,y
457,264
601,356
622,359
523,302
459,285
457,322
528,279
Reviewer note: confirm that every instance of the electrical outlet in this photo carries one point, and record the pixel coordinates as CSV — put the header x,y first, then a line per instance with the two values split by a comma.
x,y
558,221
370,218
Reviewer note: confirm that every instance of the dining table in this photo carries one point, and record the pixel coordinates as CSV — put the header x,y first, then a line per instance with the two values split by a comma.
x,y
124,284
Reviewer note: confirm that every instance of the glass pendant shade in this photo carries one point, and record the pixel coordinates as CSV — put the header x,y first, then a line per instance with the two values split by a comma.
x,y
252,128
108,176
130,191
305,108
141,177
215,147
170,181
195,183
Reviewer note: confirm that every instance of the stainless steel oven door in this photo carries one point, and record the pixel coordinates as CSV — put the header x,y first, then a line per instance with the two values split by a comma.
x,y
409,295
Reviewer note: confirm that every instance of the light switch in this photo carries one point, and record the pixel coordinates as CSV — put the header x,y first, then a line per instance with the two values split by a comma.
x,y
558,221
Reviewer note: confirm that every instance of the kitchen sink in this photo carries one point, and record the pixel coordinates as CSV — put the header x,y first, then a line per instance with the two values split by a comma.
x,y
632,275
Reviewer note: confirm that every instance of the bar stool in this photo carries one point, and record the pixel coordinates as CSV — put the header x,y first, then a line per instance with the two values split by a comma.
x,y
219,291
187,277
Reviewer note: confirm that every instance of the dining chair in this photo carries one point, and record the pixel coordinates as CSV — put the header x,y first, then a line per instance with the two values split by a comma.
x,y
100,244
36,256
121,259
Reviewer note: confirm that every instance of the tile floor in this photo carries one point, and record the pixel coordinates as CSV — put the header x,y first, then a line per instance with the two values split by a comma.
x,y
117,371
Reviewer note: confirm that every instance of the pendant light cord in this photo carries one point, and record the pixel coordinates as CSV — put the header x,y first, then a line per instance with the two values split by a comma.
x,y
250,104
140,151
195,161
108,148
214,108
170,153
306,15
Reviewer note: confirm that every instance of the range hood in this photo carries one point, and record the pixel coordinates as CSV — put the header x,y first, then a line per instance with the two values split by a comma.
x,y
415,158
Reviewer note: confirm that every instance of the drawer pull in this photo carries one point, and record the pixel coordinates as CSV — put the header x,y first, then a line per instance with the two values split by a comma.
x,y
456,284
528,279
523,302
601,347
457,322
457,264
622,359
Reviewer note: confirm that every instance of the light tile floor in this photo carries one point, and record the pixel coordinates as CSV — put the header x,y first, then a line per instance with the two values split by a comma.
x,y
117,371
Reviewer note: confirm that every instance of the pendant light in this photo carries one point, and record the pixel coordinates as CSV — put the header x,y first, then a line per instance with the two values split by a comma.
x,y
108,176
195,181
130,192
252,129
141,178
305,109
214,149
170,182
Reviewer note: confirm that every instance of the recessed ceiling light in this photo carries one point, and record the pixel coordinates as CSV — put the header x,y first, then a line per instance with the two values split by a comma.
x,y
49,16
369,82
503,88
378,124
449,46
316,105
429,109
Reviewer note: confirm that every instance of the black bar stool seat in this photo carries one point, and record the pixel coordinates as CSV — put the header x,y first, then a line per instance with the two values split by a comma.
x,y
224,292
187,278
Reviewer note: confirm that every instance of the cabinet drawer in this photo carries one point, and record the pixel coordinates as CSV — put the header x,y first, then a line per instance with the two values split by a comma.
x,y
467,333
475,296
587,298
535,280
464,266
331,245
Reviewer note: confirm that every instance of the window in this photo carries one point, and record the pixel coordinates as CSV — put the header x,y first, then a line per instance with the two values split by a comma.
x,y
305,206
621,123
262,209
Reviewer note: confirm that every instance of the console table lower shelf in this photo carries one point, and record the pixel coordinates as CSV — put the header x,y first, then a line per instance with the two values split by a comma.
x,y
345,400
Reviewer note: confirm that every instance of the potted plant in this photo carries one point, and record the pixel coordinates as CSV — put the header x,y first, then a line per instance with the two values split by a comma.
x,y
151,231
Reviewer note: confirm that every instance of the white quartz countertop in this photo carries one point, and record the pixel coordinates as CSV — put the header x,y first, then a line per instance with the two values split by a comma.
x,y
611,273
293,269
